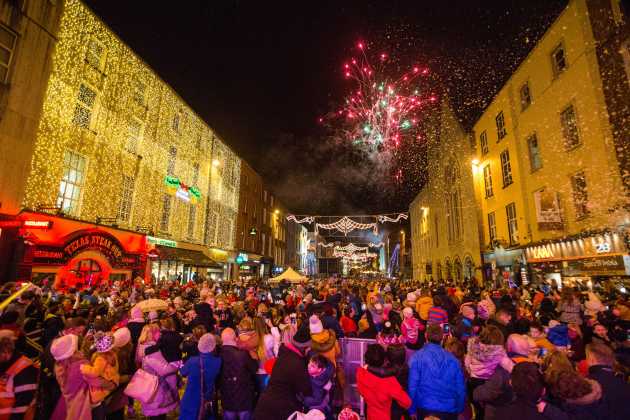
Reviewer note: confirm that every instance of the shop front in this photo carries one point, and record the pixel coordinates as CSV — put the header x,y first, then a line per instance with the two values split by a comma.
x,y
581,261
504,267
76,254
180,262
248,266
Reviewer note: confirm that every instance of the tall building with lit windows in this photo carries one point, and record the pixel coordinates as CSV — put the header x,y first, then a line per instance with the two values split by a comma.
x,y
114,152
444,216
553,155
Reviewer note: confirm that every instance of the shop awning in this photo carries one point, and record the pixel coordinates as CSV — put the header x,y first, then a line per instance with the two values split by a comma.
x,y
185,256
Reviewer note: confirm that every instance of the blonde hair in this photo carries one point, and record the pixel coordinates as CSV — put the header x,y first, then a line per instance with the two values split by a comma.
x,y
148,332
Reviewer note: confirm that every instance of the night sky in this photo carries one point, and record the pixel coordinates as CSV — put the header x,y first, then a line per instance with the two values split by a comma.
x,y
261,73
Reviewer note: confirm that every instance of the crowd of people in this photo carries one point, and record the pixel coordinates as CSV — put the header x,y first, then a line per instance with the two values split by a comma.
x,y
239,351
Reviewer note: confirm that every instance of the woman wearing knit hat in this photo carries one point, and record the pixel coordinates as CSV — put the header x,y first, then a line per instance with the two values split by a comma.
x,y
75,389
324,341
201,372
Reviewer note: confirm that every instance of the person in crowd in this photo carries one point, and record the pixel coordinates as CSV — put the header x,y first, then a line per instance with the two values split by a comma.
x,y
148,337
321,373
537,333
483,356
18,398
75,388
348,325
600,359
436,379
502,320
202,372
411,331
388,336
569,307
323,341
581,398
102,372
135,324
424,304
529,389
163,360
437,314
237,383
397,361
289,379
379,392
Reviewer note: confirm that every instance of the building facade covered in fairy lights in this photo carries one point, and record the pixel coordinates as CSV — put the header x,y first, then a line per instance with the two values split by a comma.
x,y
112,148
550,162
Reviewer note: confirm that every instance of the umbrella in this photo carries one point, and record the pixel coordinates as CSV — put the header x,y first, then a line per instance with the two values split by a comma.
x,y
152,305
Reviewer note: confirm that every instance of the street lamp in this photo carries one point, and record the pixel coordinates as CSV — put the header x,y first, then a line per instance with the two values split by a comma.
x,y
216,163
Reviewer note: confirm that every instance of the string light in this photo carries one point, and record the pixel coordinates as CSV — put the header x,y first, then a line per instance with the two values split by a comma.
x,y
88,57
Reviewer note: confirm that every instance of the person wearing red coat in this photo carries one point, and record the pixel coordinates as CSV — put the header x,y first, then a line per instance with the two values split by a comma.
x,y
379,392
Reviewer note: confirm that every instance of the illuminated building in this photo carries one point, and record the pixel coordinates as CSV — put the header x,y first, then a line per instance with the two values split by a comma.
x,y
444,220
115,145
553,172
27,36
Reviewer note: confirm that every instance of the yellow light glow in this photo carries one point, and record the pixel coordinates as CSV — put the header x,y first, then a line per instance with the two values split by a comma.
x,y
129,94
475,161
216,163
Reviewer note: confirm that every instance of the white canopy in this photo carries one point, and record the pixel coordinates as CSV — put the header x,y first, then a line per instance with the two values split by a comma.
x,y
290,275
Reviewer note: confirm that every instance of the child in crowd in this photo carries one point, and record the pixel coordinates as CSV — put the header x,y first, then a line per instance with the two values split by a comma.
x,y
320,371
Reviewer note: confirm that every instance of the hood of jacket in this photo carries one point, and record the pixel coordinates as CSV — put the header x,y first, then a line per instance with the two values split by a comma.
x,y
482,359
323,341
590,398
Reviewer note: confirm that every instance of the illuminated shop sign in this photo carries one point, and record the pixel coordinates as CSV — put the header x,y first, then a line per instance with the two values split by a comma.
x,y
542,252
176,187
241,258
161,241
26,224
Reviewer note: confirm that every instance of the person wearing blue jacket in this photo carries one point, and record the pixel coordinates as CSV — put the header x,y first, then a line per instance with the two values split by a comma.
x,y
436,380
191,402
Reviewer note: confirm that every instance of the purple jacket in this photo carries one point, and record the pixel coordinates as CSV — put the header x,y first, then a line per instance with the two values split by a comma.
x,y
482,359
167,396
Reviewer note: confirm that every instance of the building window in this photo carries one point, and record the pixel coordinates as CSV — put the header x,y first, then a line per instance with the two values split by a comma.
x,y
501,131
139,91
192,213
487,181
134,134
172,158
72,183
535,161
492,227
506,168
166,213
483,141
558,60
176,121
510,210
126,198
570,132
7,45
84,106
195,175
580,195
526,97
437,232
95,54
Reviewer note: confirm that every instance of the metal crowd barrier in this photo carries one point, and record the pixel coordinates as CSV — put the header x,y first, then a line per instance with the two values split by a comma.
x,y
352,352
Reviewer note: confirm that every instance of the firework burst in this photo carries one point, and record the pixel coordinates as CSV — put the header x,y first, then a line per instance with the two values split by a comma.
x,y
383,107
